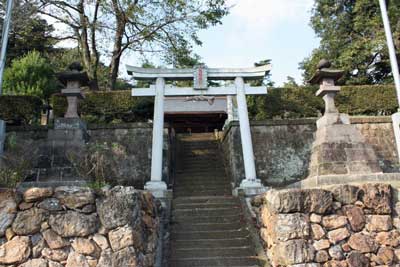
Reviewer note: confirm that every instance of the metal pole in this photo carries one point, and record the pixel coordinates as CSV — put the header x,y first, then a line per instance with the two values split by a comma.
x,y
392,50
3,53
4,41
395,70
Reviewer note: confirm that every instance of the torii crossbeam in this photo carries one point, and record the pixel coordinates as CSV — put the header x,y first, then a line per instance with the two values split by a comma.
x,y
200,76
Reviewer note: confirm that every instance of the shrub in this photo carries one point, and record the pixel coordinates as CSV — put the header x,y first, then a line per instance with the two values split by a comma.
x,y
17,110
30,75
108,107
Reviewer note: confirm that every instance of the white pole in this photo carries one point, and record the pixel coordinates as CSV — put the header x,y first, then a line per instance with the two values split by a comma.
x,y
245,132
3,53
156,185
4,41
395,70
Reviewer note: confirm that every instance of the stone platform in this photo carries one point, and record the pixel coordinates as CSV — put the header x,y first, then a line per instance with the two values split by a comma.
x,y
392,179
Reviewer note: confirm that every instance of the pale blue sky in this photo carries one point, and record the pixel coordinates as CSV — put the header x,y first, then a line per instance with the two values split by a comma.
x,y
262,29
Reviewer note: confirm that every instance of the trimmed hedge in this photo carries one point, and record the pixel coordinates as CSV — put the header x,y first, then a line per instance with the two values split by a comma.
x,y
20,110
301,102
121,107
108,107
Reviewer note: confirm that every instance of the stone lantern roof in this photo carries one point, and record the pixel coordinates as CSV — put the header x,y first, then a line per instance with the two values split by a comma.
x,y
74,74
324,72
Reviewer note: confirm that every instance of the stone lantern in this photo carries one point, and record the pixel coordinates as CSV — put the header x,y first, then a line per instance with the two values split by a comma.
x,y
73,80
340,153
326,78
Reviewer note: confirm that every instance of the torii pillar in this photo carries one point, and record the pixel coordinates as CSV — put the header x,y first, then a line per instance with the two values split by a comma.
x,y
200,76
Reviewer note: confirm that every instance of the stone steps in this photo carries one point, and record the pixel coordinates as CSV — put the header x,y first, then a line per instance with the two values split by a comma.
x,y
201,235
209,219
189,253
211,243
206,226
217,262
207,223
202,193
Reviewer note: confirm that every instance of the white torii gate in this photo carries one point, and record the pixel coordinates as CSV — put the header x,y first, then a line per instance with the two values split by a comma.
x,y
200,76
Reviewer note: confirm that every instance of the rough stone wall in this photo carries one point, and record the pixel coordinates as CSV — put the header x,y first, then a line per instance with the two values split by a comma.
x,y
282,148
129,149
78,227
343,226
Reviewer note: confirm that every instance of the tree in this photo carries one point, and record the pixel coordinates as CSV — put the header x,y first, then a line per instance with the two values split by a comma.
x,y
166,27
30,75
352,37
290,83
256,103
28,31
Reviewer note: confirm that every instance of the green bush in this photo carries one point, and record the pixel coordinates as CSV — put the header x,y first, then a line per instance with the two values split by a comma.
x,y
17,110
108,107
30,75
293,102
301,102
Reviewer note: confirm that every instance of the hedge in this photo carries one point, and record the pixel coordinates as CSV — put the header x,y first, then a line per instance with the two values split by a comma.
x,y
108,107
120,106
20,110
301,102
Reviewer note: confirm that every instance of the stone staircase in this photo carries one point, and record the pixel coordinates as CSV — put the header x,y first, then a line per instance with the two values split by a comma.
x,y
208,227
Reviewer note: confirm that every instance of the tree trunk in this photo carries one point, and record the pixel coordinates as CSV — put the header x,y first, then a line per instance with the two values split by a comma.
x,y
85,49
117,50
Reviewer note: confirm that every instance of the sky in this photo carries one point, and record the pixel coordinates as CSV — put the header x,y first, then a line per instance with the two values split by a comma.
x,y
262,29
256,30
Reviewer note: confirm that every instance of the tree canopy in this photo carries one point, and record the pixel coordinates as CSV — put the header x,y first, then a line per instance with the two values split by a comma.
x,y
108,29
352,37
28,30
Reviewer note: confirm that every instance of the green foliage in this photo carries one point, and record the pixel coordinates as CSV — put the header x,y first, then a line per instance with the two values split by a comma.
x,y
30,75
108,107
19,110
301,102
352,37
28,31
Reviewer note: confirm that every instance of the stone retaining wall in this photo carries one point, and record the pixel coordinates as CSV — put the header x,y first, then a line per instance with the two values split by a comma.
x,y
128,149
78,227
344,226
282,148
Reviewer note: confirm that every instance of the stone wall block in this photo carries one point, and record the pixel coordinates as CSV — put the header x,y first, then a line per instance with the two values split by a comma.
x,y
338,235
293,252
284,227
74,197
346,194
15,251
28,222
72,224
363,243
307,201
8,210
36,193
377,197
356,217
332,222
120,206
377,223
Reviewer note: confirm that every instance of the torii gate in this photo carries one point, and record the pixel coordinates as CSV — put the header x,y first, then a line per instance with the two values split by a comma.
x,y
200,76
